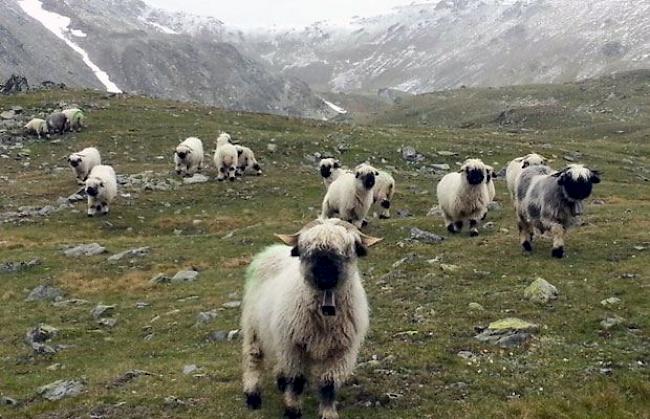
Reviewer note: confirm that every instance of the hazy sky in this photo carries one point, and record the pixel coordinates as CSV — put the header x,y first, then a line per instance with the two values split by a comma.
x,y
282,13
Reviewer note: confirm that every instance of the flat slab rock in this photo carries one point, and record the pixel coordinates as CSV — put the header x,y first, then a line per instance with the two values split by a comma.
x,y
185,276
197,178
425,236
131,253
508,333
540,291
91,249
61,389
44,293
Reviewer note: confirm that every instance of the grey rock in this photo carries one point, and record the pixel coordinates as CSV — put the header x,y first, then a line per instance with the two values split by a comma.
x,y
10,114
142,304
61,389
7,401
91,249
475,307
206,317
185,276
440,166
494,206
190,369
197,178
46,210
173,401
447,153
218,336
127,377
611,322
435,212
410,154
466,354
272,147
75,198
540,291
160,279
231,304
40,334
107,322
72,302
11,267
131,253
490,225
611,302
102,310
233,335
508,333
598,202
44,292
404,213
423,236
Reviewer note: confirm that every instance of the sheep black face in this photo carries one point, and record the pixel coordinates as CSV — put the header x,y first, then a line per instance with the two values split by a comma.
x,y
474,170
74,162
93,187
328,249
366,174
577,181
327,166
325,171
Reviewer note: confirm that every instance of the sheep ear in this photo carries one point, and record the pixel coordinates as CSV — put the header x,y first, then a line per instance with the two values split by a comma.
x,y
525,164
595,176
337,164
369,241
288,239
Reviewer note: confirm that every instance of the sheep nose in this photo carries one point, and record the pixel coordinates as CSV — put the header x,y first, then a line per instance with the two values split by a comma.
x,y
91,191
74,163
385,203
326,272
475,177
369,181
325,171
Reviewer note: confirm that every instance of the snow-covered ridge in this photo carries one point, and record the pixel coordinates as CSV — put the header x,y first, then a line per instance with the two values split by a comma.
x,y
60,26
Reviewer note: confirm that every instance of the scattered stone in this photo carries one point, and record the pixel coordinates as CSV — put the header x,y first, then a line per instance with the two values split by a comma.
x,y
206,317
440,166
185,276
12,267
7,401
197,178
231,304
127,377
107,322
425,236
598,202
131,253
190,369
611,302
508,333
173,401
61,389
447,153
91,249
404,213
490,225
435,212
541,291
449,268
160,279
410,154
494,206
272,147
142,304
102,310
218,336
475,307
466,355
232,335
41,334
611,322
7,115
408,258
72,302
44,292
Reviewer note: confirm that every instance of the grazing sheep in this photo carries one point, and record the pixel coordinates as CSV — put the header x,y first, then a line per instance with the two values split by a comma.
x,y
515,167
305,312
330,170
57,122
349,197
83,162
225,158
188,157
75,118
101,188
463,196
551,201
37,126
382,193
246,160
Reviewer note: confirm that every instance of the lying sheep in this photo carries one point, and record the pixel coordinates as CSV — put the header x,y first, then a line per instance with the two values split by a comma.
x,y
188,157
382,193
463,196
56,123
350,196
246,160
515,167
551,201
75,118
37,126
225,158
83,162
101,188
330,170
305,312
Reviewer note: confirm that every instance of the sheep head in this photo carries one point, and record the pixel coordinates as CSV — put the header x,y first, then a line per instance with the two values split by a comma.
x,y
474,170
577,181
366,175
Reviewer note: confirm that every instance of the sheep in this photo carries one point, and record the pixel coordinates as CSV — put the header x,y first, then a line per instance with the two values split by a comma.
x,y
37,126
246,160
225,157
350,196
101,188
83,162
382,193
305,312
188,157
463,196
515,167
75,118
551,201
489,180
57,122
330,170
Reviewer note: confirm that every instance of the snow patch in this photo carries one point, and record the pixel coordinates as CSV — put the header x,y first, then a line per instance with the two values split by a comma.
x,y
337,109
59,26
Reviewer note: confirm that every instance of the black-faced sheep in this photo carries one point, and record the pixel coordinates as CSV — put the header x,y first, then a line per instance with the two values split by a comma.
x,y
83,162
37,126
349,197
330,170
515,167
225,158
463,196
383,192
101,188
188,157
246,161
551,201
306,313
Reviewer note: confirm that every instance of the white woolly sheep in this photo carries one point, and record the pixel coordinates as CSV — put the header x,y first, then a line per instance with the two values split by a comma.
x,y
225,158
188,157
330,170
489,180
75,118
101,188
305,312
83,162
515,167
463,196
246,161
349,197
57,122
37,126
382,193
551,201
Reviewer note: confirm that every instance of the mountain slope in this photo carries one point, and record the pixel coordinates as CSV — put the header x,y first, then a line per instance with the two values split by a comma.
x,y
446,44
130,43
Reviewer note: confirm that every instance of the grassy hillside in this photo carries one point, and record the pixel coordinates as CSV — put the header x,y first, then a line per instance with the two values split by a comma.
x,y
421,320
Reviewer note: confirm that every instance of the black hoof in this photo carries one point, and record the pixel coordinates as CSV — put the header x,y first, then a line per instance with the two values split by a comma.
x,y
384,217
90,215
527,246
232,179
292,413
220,180
473,233
459,225
282,383
558,252
451,229
253,400
364,223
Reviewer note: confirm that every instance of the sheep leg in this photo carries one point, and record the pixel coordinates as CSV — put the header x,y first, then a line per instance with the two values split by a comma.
x,y
92,209
331,377
558,231
104,208
231,173
291,382
258,169
222,172
385,212
473,228
253,363
525,235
